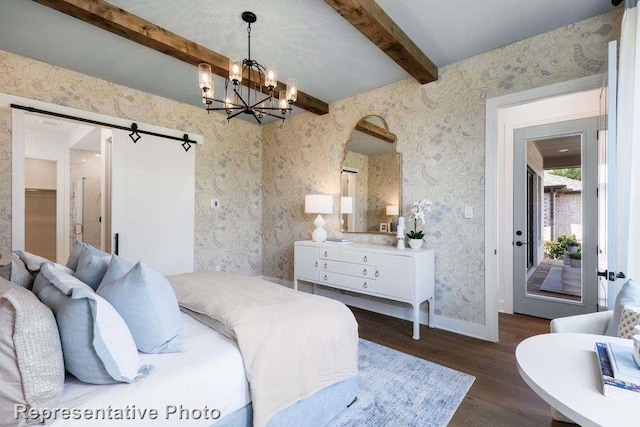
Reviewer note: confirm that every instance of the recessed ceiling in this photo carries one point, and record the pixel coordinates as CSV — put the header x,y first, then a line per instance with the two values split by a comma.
x,y
565,146
307,39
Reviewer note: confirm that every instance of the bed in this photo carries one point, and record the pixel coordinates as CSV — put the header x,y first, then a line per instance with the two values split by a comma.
x,y
281,356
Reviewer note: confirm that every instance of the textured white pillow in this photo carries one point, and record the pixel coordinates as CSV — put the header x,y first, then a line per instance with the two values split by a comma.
x,y
31,365
630,318
13,269
97,345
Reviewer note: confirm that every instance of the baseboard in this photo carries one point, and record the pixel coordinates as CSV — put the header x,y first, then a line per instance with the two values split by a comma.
x,y
398,311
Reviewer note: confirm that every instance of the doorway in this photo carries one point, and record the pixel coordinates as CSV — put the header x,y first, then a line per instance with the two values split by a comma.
x,y
63,177
555,241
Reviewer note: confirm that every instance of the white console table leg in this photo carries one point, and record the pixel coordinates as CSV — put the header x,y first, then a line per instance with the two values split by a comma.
x,y
416,321
432,312
295,284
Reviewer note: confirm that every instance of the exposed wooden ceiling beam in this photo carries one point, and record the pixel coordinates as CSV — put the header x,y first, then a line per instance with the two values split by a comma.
x,y
377,26
132,27
375,131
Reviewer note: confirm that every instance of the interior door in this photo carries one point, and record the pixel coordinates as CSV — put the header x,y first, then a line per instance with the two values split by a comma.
x,y
527,301
607,183
153,202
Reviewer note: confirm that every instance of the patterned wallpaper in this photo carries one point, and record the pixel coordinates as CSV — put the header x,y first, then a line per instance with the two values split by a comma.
x,y
228,165
441,130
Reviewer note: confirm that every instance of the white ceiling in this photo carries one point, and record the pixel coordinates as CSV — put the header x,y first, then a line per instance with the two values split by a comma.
x,y
308,39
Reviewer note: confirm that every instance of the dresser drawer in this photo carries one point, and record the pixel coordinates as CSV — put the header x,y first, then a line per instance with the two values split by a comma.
x,y
364,271
345,255
306,262
343,280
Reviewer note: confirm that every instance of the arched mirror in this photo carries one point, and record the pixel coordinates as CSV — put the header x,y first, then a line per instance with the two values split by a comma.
x,y
370,179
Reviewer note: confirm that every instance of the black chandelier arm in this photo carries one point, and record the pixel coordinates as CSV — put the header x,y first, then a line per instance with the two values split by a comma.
x,y
272,115
240,97
260,102
225,109
229,117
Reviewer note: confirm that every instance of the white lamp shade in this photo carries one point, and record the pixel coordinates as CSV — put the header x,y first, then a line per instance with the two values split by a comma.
x,y
346,205
392,210
318,203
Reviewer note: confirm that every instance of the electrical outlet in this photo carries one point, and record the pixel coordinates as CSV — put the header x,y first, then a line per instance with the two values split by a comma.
x,y
218,268
215,203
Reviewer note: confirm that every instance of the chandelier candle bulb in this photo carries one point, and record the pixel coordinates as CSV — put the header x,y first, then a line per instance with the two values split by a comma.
x,y
204,73
235,68
292,90
283,100
271,75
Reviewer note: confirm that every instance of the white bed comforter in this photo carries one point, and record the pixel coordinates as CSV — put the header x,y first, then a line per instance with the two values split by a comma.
x,y
208,372
293,344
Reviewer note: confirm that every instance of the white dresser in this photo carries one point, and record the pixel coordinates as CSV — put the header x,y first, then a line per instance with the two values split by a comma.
x,y
404,275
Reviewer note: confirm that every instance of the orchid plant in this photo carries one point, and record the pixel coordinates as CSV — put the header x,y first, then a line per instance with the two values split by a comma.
x,y
417,214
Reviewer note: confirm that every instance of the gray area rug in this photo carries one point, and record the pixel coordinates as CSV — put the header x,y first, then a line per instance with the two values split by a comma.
x,y
553,281
396,389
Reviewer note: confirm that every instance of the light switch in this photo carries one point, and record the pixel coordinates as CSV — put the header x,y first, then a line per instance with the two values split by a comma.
x,y
215,203
468,212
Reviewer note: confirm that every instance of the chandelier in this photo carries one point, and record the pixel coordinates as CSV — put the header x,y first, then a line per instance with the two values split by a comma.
x,y
248,98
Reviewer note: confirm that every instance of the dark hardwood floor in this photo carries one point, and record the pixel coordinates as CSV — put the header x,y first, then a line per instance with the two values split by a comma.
x,y
498,397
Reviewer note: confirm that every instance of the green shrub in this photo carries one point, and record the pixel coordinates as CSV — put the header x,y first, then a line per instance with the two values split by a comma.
x,y
555,249
576,255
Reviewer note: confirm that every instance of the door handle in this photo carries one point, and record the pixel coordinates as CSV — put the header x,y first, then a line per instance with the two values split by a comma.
x,y
519,243
116,239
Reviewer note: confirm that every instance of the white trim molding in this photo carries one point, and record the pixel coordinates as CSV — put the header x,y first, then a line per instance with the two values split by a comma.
x,y
498,180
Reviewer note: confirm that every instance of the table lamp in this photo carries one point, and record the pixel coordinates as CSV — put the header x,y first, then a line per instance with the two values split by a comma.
x,y
393,211
320,204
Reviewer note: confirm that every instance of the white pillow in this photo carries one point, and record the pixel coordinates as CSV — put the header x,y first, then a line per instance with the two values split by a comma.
x,y
97,345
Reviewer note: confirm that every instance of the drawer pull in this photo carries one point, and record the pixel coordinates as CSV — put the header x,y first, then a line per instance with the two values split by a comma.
x,y
365,272
365,258
316,263
325,265
325,277
377,273
325,254
365,285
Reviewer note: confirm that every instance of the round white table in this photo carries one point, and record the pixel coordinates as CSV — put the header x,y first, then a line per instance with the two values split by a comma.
x,y
563,370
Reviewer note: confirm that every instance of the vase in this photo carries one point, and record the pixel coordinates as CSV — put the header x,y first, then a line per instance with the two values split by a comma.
x,y
415,243
572,249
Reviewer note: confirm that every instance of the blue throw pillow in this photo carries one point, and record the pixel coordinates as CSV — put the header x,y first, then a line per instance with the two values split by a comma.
x,y
96,344
118,267
91,268
629,295
146,301
78,248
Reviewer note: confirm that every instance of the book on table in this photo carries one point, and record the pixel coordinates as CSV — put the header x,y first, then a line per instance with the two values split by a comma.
x,y
612,386
622,363
339,240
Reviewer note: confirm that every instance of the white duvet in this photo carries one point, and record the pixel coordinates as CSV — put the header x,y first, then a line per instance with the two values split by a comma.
x,y
207,375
